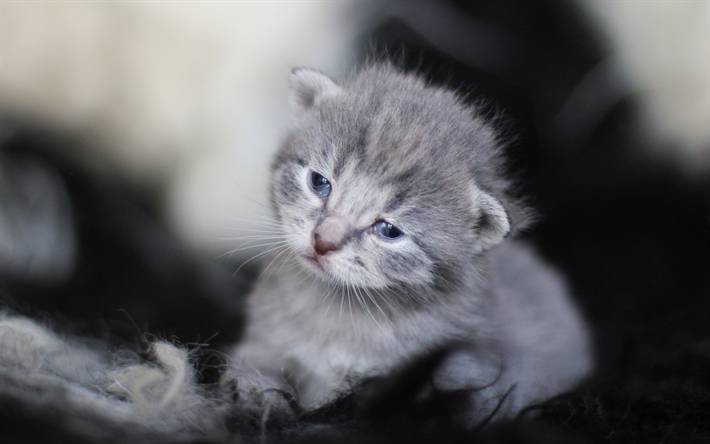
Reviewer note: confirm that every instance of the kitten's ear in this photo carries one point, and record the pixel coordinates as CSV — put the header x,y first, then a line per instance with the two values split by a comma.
x,y
306,85
492,221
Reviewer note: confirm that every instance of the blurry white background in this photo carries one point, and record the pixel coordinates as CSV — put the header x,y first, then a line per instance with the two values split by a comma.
x,y
663,50
189,98
185,97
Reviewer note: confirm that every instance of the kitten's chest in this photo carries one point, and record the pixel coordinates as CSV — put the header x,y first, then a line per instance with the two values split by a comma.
x,y
315,339
335,332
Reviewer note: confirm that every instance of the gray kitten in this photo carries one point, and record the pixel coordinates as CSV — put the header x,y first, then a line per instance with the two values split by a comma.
x,y
397,223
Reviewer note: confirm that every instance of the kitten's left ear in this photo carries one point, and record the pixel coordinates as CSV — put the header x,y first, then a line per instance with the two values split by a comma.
x,y
306,86
492,221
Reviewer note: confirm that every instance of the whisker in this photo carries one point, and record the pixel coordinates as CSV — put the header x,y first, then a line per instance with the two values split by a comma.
x,y
374,301
258,243
277,239
272,261
350,306
363,304
384,298
287,260
247,241
246,196
269,219
303,279
243,247
342,301
252,236
293,277
270,232
330,290
327,308
263,216
255,257
261,229
268,223
365,307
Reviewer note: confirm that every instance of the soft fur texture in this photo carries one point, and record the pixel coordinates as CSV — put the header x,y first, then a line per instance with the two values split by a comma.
x,y
340,301
101,394
632,236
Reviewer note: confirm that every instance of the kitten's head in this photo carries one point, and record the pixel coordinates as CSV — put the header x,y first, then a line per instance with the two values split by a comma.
x,y
384,182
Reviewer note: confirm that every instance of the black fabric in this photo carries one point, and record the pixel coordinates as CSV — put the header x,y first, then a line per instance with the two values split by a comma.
x,y
631,234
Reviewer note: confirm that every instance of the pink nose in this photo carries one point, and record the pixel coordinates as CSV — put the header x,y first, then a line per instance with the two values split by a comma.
x,y
330,234
322,247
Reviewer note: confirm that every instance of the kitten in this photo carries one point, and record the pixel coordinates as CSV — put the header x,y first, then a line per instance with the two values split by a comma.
x,y
397,223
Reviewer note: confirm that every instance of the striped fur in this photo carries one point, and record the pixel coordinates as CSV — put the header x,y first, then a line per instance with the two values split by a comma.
x,y
394,149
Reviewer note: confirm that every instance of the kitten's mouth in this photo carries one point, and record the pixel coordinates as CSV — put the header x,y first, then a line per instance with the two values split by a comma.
x,y
315,262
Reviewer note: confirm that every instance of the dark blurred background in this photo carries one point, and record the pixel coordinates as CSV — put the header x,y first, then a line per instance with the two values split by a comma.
x,y
632,232
624,209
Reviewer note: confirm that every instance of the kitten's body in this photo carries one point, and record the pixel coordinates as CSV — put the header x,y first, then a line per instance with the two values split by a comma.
x,y
395,213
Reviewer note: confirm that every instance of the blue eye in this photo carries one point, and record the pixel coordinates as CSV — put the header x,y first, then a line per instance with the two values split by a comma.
x,y
320,184
387,230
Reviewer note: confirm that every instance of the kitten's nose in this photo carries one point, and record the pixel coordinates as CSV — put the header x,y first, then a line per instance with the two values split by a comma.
x,y
330,234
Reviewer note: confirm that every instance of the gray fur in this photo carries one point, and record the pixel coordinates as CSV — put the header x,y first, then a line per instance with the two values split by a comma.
x,y
398,150
109,397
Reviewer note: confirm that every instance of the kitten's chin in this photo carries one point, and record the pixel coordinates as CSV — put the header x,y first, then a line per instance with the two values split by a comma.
x,y
320,268
313,263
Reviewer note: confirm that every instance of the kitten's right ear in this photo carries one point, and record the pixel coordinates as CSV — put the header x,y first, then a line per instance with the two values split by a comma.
x,y
306,86
493,221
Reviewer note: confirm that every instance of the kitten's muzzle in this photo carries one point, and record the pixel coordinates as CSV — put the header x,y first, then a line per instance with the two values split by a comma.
x,y
330,235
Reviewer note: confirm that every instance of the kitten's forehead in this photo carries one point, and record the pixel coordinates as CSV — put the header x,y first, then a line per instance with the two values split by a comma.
x,y
358,194
400,131
366,190
414,143
382,160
